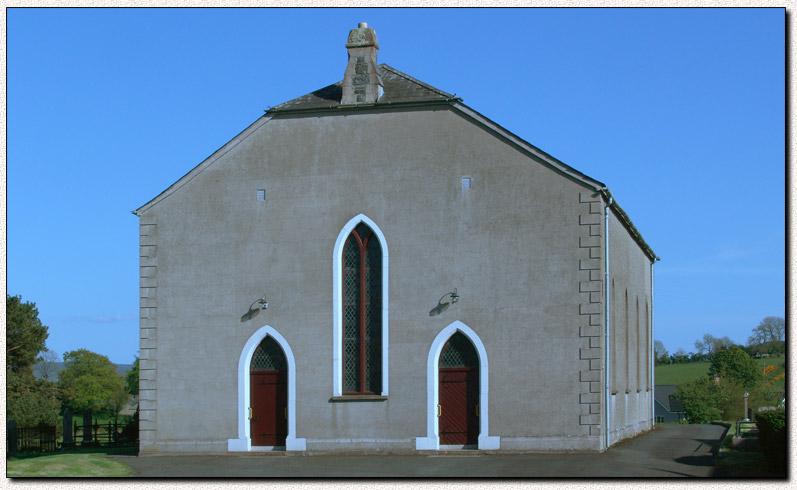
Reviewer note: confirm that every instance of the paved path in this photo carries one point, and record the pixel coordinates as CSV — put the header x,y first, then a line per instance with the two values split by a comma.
x,y
668,451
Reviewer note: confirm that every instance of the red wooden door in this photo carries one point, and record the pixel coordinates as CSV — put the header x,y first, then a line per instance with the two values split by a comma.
x,y
458,412
269,402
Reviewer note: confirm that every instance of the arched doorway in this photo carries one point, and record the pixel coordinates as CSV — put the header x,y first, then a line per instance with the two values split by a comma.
x,y
268,415
431,441
458,409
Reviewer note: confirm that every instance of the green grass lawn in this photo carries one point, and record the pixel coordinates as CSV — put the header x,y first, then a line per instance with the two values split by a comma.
x,y
80,464
67,465
675,374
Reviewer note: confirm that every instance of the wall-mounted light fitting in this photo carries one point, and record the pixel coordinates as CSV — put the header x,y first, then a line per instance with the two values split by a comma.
x,y
254,310
441,306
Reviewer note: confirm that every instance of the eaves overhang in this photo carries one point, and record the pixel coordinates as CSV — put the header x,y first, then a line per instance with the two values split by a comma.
x,y
628,224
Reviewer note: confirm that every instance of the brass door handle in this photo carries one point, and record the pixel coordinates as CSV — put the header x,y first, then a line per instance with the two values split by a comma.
x,y
439,410
477,409
286,413
250,413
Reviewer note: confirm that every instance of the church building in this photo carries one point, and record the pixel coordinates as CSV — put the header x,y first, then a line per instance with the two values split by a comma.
x,y
376,266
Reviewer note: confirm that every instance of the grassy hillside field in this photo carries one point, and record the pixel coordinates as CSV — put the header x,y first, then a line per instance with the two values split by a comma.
x,y
675,374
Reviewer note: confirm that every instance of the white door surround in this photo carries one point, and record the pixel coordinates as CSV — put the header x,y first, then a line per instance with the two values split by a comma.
x,y
432,439
244,441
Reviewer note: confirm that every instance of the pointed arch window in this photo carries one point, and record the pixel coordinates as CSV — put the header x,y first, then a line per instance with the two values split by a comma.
x,y
362,312
459,353
268,356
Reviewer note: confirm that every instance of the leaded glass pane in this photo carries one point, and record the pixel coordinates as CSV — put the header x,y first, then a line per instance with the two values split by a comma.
x,y
351,315
362,312
268,356
351,365
373,316
459,352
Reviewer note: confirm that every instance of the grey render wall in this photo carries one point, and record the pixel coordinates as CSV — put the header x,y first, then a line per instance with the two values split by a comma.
x,y
520,247
631,400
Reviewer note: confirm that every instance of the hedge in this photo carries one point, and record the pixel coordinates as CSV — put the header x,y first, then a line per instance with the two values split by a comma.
x,y
772,437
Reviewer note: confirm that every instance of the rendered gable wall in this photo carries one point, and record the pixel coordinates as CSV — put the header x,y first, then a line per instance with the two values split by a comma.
x,y
524,247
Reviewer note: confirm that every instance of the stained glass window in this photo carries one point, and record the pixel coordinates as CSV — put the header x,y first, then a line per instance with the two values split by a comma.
x,y
362,312
268,356
459,352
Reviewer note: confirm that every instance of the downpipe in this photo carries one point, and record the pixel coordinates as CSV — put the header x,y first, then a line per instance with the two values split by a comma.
x,y
606,336
652,351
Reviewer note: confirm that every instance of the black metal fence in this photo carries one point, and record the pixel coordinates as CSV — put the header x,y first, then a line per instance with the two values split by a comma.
x,y
96,434
46,438
41,438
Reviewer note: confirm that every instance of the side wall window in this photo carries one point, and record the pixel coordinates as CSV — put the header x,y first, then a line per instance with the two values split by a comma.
x,y
362,312
648,346
627,347
615,354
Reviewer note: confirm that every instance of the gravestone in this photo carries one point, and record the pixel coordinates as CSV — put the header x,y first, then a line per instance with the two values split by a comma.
x,y
11,428
69,441
87,432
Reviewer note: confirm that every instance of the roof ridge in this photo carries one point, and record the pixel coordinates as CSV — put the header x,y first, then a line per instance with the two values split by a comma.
x,y
416,81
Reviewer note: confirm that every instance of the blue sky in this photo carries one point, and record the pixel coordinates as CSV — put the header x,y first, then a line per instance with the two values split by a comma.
x,y
680,112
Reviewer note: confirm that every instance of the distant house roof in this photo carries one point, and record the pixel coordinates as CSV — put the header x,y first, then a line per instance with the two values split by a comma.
x,y
664,395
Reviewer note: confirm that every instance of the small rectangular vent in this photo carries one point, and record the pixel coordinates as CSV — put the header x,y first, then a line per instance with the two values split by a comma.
x,y
465,183
261,194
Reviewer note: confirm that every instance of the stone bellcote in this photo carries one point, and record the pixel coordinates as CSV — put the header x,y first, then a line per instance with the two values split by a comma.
x,y
361,81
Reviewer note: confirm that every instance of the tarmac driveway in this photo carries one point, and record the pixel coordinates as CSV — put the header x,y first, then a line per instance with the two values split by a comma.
x,y
668,451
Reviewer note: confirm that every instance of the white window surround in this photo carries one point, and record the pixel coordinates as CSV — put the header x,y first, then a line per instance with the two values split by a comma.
x,y
432,439
337,303
244,442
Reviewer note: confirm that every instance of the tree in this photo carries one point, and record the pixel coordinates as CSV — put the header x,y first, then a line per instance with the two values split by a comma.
x,y
660,353
47,365
89,381
31,401
711,344
25,334
705,345
736,364
771,329
28,401
700,400
680,356
722,343
131,379
705,399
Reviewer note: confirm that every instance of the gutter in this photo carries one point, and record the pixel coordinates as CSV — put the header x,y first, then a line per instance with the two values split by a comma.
x,y
356,107
607,307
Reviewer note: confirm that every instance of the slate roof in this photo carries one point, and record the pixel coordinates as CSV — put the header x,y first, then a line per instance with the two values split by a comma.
x,y
398,88
664,395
